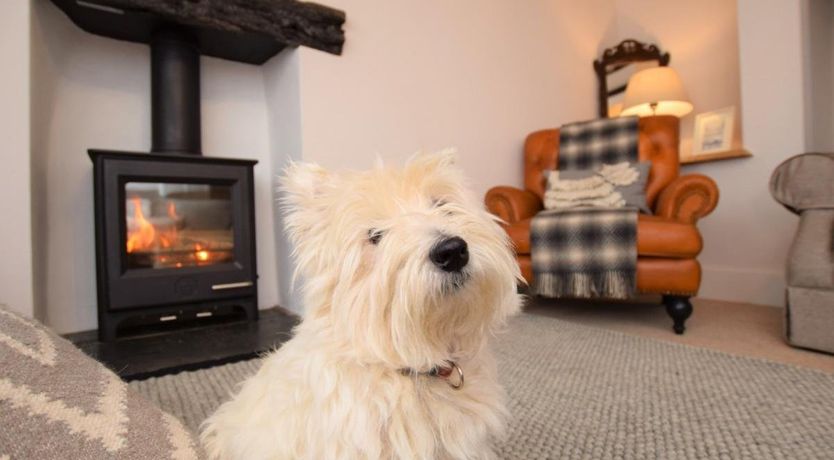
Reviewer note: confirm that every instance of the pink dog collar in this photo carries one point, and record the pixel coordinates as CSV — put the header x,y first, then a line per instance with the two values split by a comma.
x,y
444,372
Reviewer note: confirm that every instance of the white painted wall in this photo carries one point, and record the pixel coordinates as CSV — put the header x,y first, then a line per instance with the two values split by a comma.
x,y
16,286
94,92
818,18
282,82
426,75
748,237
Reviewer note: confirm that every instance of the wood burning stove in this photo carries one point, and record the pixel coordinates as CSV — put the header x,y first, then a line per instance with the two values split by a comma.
x,y
175,231
175,239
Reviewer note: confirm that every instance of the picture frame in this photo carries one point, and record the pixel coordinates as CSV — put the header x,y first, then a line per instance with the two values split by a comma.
x,y
713,131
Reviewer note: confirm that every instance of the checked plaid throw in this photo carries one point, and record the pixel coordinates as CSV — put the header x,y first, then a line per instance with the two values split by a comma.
x,y
590,251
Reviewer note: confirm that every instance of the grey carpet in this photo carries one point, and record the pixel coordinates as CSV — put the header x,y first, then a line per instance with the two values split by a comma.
x,y
579,392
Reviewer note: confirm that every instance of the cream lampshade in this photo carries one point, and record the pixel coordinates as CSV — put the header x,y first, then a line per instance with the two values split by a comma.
x,y
656,91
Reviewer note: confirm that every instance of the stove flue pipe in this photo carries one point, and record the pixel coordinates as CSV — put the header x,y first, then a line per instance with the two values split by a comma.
x,y
175,93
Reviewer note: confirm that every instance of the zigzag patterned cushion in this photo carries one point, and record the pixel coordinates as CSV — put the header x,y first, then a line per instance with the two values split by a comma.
x,y
55,402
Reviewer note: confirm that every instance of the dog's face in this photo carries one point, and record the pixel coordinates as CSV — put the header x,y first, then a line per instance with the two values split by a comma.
x,y
405,265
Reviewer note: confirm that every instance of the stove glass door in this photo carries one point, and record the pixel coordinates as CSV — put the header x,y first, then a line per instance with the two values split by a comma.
x,y
174,225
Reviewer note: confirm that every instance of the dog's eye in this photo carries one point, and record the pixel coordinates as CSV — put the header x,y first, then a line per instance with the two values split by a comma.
x,y
374,236
438,202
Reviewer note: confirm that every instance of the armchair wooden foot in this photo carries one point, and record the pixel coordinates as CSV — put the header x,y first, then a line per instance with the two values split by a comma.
x,y
679,308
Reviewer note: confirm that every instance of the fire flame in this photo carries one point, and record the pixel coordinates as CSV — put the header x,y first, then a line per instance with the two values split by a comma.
x,y
144,236
172,211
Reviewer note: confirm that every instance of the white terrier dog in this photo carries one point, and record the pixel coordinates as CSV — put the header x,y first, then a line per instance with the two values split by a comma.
x,y
406,276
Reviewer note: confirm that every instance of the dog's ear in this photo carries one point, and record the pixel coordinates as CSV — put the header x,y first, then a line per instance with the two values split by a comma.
x,y
301,183
437,170
303,200
427,163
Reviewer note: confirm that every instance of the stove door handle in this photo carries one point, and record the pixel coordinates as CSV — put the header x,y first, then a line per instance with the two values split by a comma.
x,y
223,287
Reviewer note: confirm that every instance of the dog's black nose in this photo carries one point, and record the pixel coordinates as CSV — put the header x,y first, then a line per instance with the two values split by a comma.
x,y
450,254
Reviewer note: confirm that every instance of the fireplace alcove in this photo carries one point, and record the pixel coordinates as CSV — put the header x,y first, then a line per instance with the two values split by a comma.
x,y
175,241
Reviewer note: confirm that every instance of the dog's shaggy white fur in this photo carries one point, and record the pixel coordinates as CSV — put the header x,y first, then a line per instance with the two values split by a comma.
x,y
376,305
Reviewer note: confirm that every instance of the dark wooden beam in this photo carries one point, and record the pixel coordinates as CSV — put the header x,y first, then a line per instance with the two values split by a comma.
x,y
241,30
290,22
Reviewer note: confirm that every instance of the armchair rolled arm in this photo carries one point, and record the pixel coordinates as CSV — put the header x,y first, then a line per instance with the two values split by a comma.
x,y
688,198
512,204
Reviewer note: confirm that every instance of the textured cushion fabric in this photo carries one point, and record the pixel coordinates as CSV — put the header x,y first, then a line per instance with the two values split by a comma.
x,y
810,318
580,187
805,182
57,403
634,194
811,259
656,237
805,185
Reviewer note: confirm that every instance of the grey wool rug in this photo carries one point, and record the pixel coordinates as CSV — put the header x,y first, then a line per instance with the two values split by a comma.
x,y
577,392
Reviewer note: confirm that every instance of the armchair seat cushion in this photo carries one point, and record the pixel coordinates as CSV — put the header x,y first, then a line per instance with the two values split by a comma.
x,y
656,237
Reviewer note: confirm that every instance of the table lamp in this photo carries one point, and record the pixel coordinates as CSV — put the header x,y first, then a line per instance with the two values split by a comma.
x,y
656,91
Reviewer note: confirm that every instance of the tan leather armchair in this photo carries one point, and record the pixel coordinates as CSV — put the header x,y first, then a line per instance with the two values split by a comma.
x,y
668,242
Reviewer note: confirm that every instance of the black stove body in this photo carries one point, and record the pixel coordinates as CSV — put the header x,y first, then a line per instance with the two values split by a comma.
x,y
175,240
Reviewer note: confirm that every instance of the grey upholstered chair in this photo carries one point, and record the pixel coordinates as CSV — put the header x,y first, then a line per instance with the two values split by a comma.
x,y
805,185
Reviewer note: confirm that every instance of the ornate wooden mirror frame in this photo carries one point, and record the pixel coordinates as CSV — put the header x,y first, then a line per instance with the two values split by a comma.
x,y
613,59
